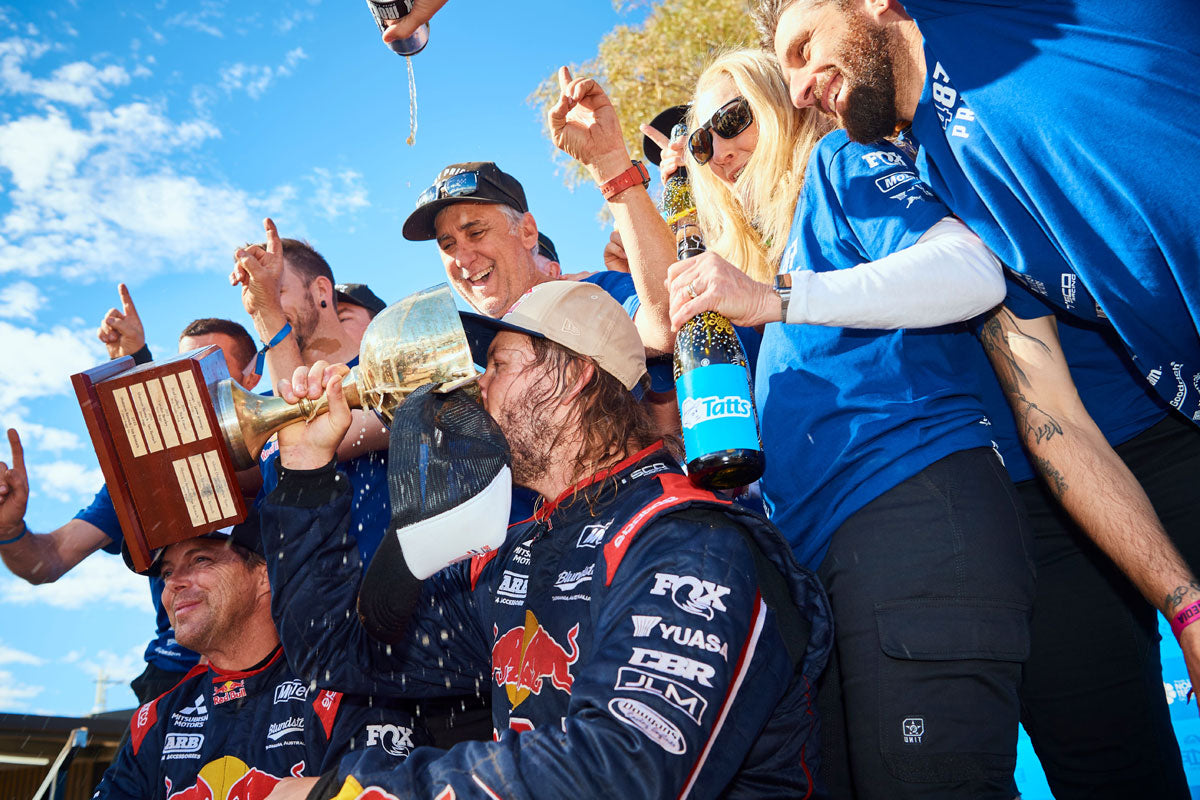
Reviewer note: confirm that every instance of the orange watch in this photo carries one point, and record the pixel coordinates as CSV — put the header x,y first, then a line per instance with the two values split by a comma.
x,y
637,173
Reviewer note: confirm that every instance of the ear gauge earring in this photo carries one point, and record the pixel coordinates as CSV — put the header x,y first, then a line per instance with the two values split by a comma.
x,y
323,304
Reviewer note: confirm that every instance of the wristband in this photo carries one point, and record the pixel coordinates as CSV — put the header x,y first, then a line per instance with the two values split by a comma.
x,y
1186,616
18,537
276,339
637,173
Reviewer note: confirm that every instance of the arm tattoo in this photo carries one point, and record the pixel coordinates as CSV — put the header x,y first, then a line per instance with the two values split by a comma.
x,y
1175,597
1055,479
1031,420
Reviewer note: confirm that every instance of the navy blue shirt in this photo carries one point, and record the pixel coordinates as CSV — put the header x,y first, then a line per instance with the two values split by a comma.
x,y
847,414
1059,131
162,651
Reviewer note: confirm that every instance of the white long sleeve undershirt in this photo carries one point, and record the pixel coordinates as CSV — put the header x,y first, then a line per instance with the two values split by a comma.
x,y
946,276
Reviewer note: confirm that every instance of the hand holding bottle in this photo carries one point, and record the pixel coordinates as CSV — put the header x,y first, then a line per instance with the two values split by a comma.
x,y
708,282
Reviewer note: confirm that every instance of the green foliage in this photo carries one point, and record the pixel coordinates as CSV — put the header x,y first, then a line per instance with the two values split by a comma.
x,y
648,67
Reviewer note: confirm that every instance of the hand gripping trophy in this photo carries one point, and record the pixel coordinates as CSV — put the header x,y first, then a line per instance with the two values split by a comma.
x,y
172,434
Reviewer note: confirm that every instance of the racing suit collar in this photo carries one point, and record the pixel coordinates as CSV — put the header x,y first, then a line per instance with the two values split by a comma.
x,y
543,512
220,675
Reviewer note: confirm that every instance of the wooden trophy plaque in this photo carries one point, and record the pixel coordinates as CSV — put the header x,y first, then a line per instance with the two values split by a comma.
x,y
161,449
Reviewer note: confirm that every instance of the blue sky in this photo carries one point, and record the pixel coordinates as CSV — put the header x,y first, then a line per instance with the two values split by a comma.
x,y
144,141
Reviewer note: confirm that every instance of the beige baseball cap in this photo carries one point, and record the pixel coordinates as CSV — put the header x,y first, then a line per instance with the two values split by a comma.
x,y
580,316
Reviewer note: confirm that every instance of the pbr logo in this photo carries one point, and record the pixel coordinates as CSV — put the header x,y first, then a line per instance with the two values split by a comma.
x,y
691,594
524,658
394,739
672,664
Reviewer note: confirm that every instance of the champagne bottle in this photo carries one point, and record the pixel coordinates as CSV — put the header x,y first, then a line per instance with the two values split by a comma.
x,y
722,444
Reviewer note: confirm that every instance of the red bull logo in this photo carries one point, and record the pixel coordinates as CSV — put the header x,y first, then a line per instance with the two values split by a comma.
x,y
228,690
524,657
229,778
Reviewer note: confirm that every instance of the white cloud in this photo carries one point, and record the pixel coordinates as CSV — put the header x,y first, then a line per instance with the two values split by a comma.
x,y
41,436
66,480
35,364
20,300
95,581
255,78
338,194
78,83
10,655
14,695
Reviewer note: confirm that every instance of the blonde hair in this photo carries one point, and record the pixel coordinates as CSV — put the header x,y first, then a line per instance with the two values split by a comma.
x,y
748,223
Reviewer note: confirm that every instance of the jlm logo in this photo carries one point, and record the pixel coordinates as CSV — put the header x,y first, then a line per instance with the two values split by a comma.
x,y
912,729
702,409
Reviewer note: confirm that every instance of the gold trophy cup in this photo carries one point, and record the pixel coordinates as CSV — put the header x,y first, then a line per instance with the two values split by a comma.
x,y
415,341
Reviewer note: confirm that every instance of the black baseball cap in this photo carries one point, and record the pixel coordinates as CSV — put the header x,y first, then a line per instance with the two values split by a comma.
x,y
546,247
469,182
359,294
664,123
246,533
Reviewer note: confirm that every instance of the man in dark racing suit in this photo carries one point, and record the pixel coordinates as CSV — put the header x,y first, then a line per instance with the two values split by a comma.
x,y
232,728
640,637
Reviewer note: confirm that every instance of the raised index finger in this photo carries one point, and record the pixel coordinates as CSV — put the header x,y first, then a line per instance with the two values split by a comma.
x,y
18,452
656,136
564,79
126,299
274,245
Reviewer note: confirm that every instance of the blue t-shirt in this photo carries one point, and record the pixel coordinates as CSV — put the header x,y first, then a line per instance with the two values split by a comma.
x,y
162,651
1061,132
1116,397
371,509
847,414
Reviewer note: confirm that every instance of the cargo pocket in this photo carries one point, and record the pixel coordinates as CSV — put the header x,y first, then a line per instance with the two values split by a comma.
x,y
948,676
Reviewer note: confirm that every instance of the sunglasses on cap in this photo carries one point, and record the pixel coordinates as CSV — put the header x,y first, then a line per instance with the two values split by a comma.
x,y
464,184
727,122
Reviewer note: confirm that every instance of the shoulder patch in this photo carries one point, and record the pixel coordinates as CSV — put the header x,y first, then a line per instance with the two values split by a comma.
x,y
326,706
477,565
677,490
143,720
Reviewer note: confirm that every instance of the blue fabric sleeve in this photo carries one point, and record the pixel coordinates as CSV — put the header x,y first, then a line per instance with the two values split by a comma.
x,y
103,515
620,286
873,190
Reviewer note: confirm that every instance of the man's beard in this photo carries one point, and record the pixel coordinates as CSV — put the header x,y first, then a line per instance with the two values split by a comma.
x,y
870,107
305,325
532,435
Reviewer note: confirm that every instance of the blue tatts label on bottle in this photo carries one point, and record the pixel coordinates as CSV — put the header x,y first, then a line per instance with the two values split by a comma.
x,y
716,409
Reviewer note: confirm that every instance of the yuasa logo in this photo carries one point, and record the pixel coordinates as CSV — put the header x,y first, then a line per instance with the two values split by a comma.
x,y
702,409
